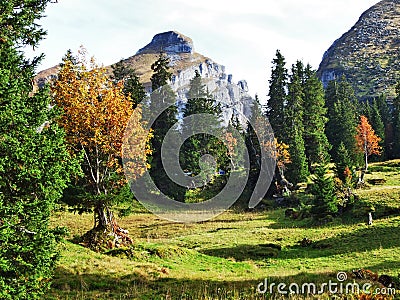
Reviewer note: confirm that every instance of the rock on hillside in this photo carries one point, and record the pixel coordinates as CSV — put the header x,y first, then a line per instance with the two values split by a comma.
x,y
368,54
184,61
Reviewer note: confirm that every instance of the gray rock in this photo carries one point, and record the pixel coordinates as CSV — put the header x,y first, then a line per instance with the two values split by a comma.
x,y
169,42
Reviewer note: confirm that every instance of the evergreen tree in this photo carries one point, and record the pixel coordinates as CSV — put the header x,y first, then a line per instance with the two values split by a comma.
x,y
384,110
343,119
344,161
162,94
365,109
34,162
396,123
253,145
200,102
378,125
386,117
239,133
323,189
293,126
277,95
314,120
132,84
161,73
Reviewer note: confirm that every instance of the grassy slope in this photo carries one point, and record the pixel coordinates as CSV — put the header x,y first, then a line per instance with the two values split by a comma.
x,y
227,257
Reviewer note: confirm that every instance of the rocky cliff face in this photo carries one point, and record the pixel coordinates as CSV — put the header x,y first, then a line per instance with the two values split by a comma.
x,y
184,61
368,54
170,42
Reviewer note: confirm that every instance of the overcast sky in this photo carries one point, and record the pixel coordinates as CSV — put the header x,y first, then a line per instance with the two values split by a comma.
x,y
242,35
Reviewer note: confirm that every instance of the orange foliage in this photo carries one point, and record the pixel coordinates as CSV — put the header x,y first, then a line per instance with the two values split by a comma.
x,y
231,143
279,152
95,114
367,140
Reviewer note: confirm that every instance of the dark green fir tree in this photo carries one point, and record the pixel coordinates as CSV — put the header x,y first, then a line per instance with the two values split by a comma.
x,y
277,95
293,126
201,102
396,123
379,128
323,190
132,85
314,120
343,119
253,145
162,96
34,162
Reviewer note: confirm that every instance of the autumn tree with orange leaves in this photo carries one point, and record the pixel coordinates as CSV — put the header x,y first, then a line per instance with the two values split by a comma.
x,y
95,114
367,142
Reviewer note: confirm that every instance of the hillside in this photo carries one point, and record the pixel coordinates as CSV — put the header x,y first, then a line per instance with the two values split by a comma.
x,y
227,257
368,54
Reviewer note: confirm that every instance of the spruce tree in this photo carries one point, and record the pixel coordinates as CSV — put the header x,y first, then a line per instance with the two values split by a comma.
x,y
365,109
384,110
132,85
396,123
293,128
385,113
161,72
200,102
253,145
162,94
314,120
34,162
343,119
343,161
277,95
323,189
378,126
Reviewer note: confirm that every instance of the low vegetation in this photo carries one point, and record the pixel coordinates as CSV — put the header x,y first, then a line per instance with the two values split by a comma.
x,y
226,258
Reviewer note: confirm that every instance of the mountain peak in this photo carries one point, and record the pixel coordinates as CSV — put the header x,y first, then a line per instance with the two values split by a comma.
x,y
171,42
367,54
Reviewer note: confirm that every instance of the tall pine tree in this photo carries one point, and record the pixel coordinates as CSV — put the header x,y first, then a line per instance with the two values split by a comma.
x,y
378,126
277,95
323,189
199,102
396,123
34,162
162,94
293,128
132,85
314,120
253,145
343,119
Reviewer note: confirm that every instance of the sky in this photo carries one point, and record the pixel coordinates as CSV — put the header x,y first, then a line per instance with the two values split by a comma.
x,y
242,35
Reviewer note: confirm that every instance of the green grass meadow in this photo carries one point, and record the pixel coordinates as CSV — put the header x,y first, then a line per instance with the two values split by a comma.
x,y
227,257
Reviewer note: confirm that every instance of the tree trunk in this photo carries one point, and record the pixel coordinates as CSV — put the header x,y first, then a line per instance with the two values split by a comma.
x,y
102,220
363,172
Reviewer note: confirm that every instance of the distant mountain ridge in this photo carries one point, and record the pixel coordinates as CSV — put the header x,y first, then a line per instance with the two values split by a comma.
x,y
369,53
184,61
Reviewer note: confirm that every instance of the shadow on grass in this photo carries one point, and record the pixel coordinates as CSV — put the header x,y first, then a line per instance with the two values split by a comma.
x,y
94,286
245,252
361,240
